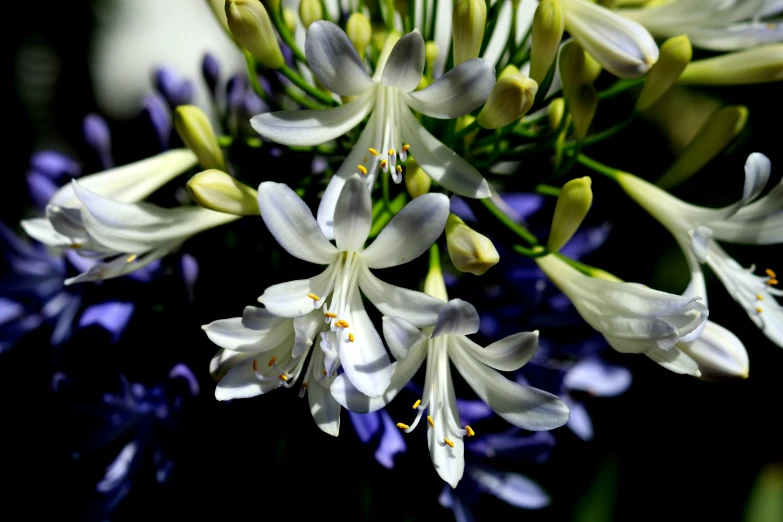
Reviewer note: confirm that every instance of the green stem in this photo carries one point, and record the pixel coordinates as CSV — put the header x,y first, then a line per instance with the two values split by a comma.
x,y
252,73
435,257
385,182
604,134
620,86
306,87
462,133
536,251
285,34
501,216
599,167
547,190
300,98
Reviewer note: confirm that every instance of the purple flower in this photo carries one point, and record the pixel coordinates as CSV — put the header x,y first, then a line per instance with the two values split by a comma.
x,y
210,71
379,425
159,116
98,137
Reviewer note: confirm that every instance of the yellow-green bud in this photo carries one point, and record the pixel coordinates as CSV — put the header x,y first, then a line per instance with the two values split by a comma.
x,y
359,32
196,131
250,25
579,94
469,251
548,27
508,70
218,9
763,64
289,19
310,11
574,201
717,132
434,285
469,19
555,112
675,54
582,104
510,98
430,55
216,190
416,180
592,68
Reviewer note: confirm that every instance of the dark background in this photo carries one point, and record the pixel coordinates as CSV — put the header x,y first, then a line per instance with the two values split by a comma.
x,y
673,447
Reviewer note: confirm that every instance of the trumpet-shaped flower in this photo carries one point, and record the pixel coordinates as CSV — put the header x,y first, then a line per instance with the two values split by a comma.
x,y
632,317
352,339
392,131
522,406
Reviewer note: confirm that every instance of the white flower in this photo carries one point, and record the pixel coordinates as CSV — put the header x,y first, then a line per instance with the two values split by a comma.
x,y
523,406
352,335
719,25
696,230
261,352
632,317
392,131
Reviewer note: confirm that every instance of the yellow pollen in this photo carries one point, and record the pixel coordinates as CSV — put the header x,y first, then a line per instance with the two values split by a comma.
x,y
759,297
272,361
771,26
255,365
362,169
470,431
432,422
283,377
342,323
76,246
304,385
416,404
131,258
449,442
323,372
772,282
399,169
405,147
759,310
402,426
351,337
330,315
391,152
383,164
314,297
771,273
373,151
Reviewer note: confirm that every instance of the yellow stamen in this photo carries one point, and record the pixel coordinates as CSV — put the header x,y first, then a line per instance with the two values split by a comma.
x,y
399,169
449,442
304,385
373,152
771,273
314,297
272,361
416,404
323,372
383,164
76,246
771,26
391,152
362,169
759,310
772,282
351,337
255,365
432,422
131,258
283,377
469,431
405,147
342,323
402,426
330,315
759,297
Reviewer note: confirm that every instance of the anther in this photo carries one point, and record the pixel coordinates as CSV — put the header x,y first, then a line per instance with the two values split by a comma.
x,y
373,152
469,431
405,147
351,338
314,297
131,258
76,246
432,422
272,361
399,169
772,282
759,310
283,377
759,297
771,273
449,442
341,323
416,404
383,164
362,169
391,152
330,315
255,365
304,385
402,426
323,372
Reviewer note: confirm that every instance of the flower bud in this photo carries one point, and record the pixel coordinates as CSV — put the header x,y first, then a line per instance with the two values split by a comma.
x,y
434,285
216,190
430,55
469,19
98,137
289,19
548,27
579,94
582,103
218,9
719,353
555,112
508,70
359,32
469,251
250,25
511,97
717,132
416,180
210,71
310,11
763,64
592,68
574,201
196,132
675,54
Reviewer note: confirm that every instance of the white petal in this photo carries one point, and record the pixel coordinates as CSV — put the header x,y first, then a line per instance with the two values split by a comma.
x,y
443,29
719,354
700,237
291,222
417,308
440,162
353,215
457,317
305,330
119,266
523,406
410,233
458,92
449,461
508,354
291,299
405,65
324,409
241,383
313,127
364,360
223,361
334,60
256,318
674,360
735,37
41,230
401,336
231,335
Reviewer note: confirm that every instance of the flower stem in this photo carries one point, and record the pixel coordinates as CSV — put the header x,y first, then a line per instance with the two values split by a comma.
x,y
599,167
620,86
435,257
285,34
501,216
604,134
306,87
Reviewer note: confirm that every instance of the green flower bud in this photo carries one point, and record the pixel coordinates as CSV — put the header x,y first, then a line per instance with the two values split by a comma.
x,y
508,70
218,9
250,25
196,131
763,64
416,180
469,251
548,27
675,54
430,55
580,95
216,190
310,11
511,97
359,32
717,132
574,201
434,284
555,112
582,104
592,68
469,19
289,19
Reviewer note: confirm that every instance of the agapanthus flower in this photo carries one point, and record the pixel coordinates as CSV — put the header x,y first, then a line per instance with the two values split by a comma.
x,y
392,131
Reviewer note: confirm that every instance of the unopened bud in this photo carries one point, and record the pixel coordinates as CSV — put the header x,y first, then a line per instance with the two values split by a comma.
x,y
582,104
359,32
434,285
310,11
721,356
555,112
416,180
548,27
508,70
717,132
574,201
579,94
216,190
250,25
675,54
510,98
469,19
219,10
430,55
289,19
592,68
763,64
469,251
194,128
